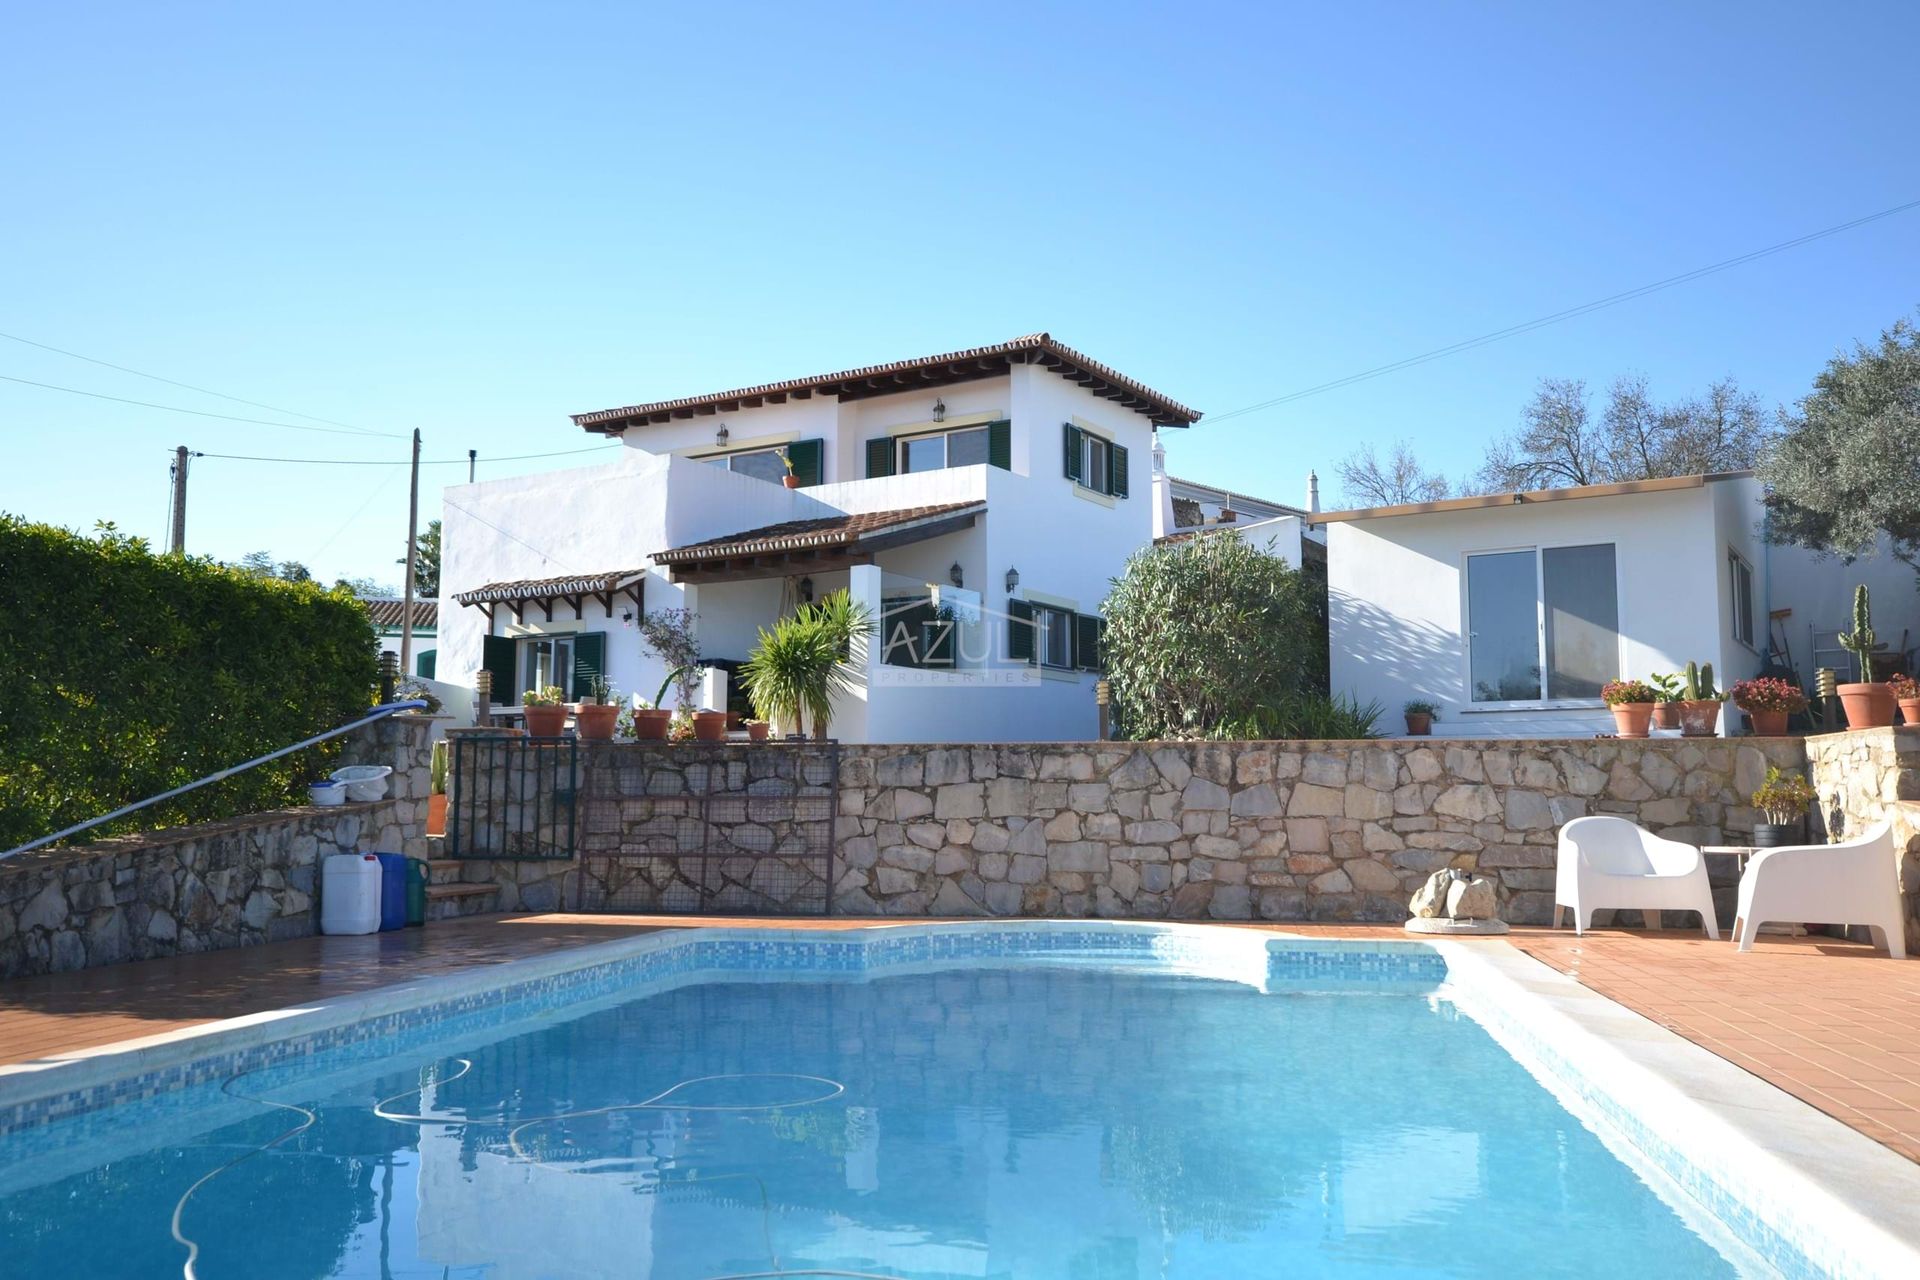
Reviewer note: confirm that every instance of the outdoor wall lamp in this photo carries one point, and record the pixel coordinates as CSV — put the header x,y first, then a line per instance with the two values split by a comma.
x,y
939,410
1013,580
806,591
955,575
720,437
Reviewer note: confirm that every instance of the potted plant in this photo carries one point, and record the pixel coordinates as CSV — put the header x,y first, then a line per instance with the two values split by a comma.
x,y
1420,715
680,728
1768,701
1666,709
710,726
1784,798
1699,702
546,711
757,730
1869,704
807,659
437,790
790,480
1631,702
1906,692
597,713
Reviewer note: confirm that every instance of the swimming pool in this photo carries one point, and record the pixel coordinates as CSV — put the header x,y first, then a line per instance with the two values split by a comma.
x,y
1088,1104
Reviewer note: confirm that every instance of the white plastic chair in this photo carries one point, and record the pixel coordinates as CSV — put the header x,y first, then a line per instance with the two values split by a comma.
x,y
1856,882
1609,862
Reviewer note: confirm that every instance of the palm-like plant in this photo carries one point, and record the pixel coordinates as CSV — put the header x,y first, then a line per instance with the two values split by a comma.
x,y
806,660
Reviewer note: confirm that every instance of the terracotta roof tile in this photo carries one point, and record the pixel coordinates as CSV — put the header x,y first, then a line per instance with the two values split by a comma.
x,y
387,611
579,584
906,375
824,531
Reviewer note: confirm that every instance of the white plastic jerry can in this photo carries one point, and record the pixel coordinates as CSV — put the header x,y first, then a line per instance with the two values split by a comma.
x,y
350,893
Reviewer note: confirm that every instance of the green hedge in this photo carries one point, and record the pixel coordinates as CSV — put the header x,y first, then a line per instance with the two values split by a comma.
x,y
124,673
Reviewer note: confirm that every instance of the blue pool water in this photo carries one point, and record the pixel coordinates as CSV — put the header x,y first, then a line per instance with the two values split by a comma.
x,y
1059,1122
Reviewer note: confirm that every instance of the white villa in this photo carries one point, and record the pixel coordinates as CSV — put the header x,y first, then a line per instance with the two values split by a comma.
x,y
977,501
1509,611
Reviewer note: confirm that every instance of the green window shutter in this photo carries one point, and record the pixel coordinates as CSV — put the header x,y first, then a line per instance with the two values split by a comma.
x,y
1072,450
423,663
589,660
1000,444
807,458
501,656
880,457
1019,631
1086,642
1117,471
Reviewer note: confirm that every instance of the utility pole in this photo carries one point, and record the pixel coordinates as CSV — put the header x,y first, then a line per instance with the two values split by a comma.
x,y
178,542
473,456
413,551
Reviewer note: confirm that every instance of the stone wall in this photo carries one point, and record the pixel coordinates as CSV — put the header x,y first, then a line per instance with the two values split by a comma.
x,y
1866,777
207,886
1262,830
1275,831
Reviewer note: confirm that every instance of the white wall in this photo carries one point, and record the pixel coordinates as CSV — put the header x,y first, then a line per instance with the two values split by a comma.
x,y
1737,515
1819,590
1397,597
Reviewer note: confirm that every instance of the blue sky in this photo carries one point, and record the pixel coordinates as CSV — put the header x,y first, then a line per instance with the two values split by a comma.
x,y
476,219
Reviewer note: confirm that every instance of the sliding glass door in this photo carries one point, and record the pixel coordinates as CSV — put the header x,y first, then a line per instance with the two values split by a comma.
x,y
1542,623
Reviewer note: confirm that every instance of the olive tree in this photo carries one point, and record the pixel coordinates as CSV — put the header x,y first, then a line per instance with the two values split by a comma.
x,y
1211,633
1847,468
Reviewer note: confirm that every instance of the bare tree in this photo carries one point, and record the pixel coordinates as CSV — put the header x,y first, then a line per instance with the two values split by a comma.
x,y
1560,444
1365,481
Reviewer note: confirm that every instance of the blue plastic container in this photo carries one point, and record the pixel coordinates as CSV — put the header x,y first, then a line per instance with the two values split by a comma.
x,y
393,890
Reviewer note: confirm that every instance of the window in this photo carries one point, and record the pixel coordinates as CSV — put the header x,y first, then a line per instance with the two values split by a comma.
x,y
545,660
964,448
1095,462
761,464
1741,574
1053,636
1551,611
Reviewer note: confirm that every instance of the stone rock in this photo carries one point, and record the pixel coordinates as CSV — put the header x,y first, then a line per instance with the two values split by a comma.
x,y
1473,898
953,901
1312,800
1528,811
1430,899
1202,794
48,910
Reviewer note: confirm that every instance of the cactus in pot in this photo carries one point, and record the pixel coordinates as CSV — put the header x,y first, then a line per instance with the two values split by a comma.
x,y
1870,704
1699,702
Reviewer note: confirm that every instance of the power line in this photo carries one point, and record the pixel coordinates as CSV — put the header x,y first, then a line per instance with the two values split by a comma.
x,y
425,462
198,413
188,386
1570,313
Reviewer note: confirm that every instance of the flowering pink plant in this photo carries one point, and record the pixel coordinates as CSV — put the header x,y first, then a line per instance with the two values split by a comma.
x,y
1769,693
1905,687
1617,692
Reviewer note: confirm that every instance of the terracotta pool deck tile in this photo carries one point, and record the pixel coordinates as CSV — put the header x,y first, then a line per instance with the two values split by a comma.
x,y
1832,1022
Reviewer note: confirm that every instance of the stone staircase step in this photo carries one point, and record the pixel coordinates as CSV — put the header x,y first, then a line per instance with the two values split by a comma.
x,y
438,892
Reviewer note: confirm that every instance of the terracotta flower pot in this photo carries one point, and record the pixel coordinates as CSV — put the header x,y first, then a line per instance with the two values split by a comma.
x,y
791,481
1666,715
651,726
437,815
1630,719
594,721
1910,710
547,722
758,732
1700,718
1419,723
1768,724
1869,706
710,726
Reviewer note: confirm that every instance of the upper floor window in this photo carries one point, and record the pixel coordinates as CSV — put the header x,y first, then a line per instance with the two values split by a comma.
x,y
761,464
1542,623
1095,462
1741,574
961,446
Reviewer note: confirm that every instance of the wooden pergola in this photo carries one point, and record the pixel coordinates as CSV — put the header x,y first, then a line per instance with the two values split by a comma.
x,y
546,593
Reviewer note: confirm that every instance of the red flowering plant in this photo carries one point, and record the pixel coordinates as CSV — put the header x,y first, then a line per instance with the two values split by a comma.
x,y
1619,692
1769,693
1905,687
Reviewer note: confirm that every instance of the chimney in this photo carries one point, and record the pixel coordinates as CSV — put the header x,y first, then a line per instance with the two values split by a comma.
x,y
1162,490
1313,491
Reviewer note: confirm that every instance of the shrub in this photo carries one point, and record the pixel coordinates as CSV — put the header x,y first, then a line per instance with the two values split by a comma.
x,y
1210,636
1311,715
1768,693
1783,797
1904,687
124,674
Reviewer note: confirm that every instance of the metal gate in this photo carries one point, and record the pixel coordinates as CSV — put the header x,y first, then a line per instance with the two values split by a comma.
x,y
711,829
512,798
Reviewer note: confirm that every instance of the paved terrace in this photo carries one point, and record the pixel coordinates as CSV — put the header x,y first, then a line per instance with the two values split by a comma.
x,y
1833,1023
